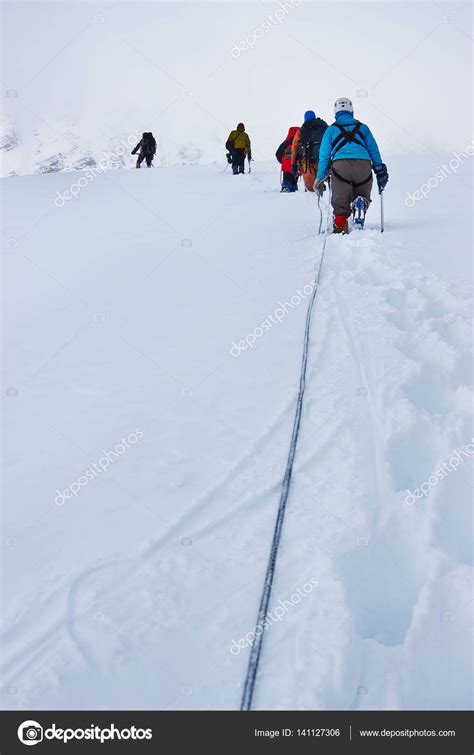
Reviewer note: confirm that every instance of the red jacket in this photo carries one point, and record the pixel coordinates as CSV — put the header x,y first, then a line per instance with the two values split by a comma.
x,y
283,153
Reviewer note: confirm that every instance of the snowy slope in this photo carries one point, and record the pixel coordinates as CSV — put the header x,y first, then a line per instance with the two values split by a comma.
x,y
124,305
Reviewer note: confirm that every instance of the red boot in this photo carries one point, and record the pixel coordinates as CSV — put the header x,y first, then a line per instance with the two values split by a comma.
x,y
340,224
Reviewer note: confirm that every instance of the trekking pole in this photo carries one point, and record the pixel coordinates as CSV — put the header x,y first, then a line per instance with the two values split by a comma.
x,y
249,159
319,206
329,205
320,215
382,225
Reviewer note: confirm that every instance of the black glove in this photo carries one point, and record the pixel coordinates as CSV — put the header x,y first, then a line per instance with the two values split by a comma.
x,y
229,158
295,170
381,175
249,156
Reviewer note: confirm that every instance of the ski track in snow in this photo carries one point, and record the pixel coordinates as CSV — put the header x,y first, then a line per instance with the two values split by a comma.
x,y
204,504
134,623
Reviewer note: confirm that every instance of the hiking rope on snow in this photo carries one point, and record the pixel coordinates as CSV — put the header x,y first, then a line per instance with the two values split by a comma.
x,y
252,669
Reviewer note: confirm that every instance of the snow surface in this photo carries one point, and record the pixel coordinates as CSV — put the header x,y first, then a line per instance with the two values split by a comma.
x,y
122,308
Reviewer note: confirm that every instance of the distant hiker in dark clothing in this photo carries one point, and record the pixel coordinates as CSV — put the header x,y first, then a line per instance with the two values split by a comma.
x,y
147,147
238,145
283,155
305,151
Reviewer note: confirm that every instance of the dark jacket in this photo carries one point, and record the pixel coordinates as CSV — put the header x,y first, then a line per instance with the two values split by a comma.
x,y
146,145
311,136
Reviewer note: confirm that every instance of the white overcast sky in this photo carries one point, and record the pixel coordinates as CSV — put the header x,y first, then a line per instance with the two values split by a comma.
x,y
115,67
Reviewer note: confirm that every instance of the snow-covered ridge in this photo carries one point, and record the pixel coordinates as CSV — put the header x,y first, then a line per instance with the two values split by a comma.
x,y
66,147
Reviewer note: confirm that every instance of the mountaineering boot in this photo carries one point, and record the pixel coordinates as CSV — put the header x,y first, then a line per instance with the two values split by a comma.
x,y
359,207
340,224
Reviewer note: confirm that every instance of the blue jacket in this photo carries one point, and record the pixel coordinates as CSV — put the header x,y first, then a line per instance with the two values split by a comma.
x,y
351,150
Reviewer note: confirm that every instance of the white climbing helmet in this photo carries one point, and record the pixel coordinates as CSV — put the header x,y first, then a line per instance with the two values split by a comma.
x,y
343,103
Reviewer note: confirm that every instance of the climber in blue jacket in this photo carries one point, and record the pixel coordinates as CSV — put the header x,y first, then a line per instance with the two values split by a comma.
x,y
348,153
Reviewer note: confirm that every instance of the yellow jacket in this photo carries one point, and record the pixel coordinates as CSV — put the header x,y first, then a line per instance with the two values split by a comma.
x,y
240,140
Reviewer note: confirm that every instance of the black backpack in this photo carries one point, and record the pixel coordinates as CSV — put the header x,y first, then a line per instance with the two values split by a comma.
x,y
311,136
149,143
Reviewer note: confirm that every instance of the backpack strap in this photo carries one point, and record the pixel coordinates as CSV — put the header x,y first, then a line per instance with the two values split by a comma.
x,y
231,139
345,136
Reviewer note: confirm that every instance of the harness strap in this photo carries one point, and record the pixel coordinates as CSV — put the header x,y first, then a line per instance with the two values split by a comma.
x,y
346,136
355,184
